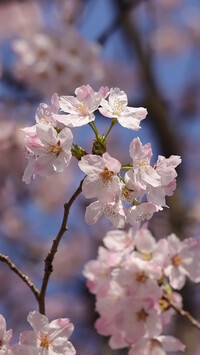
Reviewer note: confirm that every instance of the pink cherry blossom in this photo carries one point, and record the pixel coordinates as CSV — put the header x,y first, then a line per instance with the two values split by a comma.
x,y
81,108
140,318
128,286
141,212
184,260
48,151
165,168
48,61
155,253
116,107
156,346
114,212
45,113
5,337
98,272
139,279
142,174
46,338
120,241
101,180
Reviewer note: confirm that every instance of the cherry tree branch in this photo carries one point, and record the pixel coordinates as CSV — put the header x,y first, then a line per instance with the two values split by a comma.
x,y
182,312
51,254
22,276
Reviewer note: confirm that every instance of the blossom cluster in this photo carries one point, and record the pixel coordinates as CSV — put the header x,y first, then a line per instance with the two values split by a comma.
x,y
143,188
133,277
45,338
122,199
51,62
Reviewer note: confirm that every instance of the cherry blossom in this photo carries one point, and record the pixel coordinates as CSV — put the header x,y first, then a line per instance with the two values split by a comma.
x,y
142,174
141,212
128,279
155,253
5,337
49,62
46,338
98,272
81,108
101,180
116,107
112,211
156,346
139,278
183,261
45,113
48,151
166,169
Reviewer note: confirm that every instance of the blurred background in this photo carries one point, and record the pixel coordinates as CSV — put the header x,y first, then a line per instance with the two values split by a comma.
x,y
151,50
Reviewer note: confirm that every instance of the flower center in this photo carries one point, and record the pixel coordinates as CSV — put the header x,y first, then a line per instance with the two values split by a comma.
x,y
142,315
1,343
45,342
146,256
144,164
117,108
176,260
83,109
141,277
55,149
155,344
106,175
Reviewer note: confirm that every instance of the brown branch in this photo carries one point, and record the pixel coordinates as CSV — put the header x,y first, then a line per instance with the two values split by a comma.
x,y
183,313
22,276
156,107
50,257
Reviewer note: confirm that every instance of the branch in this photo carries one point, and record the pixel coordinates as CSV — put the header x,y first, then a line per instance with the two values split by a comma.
x,y
183,313
128,5
22,276
51,254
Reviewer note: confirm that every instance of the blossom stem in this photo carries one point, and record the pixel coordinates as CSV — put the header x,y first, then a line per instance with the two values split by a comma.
x,y
182,312
51,254
121,178
126,167
22,276
114,121
94,129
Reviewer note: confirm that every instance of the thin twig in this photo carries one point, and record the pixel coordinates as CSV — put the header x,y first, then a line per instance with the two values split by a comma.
x,y
183,313
50,257
22,276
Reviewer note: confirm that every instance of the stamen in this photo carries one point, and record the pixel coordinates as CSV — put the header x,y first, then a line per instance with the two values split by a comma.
x,y
83,109
55,149
106,175
45,342
176,260
142,315
117,108
144,163
141,277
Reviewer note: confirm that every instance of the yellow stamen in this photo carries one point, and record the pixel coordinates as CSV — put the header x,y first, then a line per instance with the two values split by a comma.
x,y
83,109
144,163
45,342
106,175
176,260
146,256
55,149
118,108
